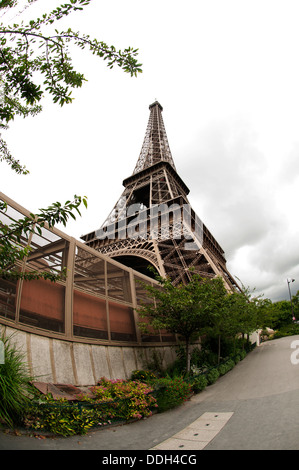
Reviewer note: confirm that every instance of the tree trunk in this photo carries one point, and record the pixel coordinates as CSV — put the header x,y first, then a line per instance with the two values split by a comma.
x,y
188,359
219,346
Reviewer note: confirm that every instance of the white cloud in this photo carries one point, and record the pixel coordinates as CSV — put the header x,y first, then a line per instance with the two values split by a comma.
x,y
227,77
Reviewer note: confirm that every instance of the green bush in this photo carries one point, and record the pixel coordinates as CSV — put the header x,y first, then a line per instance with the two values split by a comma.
x,y
143,375
170,392
14,384
223,369
230,364
133,398
236,358
287,330
198,383
61,417
239,356
212,376
243,354
226,366
203,357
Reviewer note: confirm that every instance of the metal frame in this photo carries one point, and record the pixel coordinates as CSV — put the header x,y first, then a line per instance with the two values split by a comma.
x,y
86,267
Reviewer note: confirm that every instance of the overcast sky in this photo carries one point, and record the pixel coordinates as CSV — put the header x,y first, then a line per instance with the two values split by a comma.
x,y
227,75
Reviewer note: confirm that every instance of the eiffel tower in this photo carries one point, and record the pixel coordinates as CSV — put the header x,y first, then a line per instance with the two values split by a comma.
x,y
153,223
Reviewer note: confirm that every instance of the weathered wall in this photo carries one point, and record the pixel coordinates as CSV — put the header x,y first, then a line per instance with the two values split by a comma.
x,y
57,361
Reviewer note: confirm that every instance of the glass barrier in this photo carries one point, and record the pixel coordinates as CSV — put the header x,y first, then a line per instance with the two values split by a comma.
x,y
94,297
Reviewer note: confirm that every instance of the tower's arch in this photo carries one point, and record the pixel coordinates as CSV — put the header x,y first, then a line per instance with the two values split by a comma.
x,y
139,263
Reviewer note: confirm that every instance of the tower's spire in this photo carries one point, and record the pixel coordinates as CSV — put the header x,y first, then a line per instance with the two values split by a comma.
x,y
155,146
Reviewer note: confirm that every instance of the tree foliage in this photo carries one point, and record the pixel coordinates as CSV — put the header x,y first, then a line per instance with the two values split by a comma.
x,y
13,248
275,315
202,307
35,60
295,300
37,49
185,310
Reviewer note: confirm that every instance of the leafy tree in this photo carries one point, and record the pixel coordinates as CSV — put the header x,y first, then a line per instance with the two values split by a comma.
x,y
234,314
202,307
219,323
243,308
12,246
34,50
185,310
28,52
277,314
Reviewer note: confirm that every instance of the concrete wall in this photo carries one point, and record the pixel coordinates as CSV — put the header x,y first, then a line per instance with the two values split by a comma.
x,y
58,361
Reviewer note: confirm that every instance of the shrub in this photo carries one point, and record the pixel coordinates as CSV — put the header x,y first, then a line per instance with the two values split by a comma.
x,y
170,392
61,417
236,358
14,384
212,376
223,369
142,375
287,330
198,383
132,399
112,400
243,354
230,364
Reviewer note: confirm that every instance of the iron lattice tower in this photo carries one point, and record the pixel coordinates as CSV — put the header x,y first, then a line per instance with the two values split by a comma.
x,y
153,222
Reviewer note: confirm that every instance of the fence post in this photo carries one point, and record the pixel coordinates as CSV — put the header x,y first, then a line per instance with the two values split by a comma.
x,y
2,353
68,318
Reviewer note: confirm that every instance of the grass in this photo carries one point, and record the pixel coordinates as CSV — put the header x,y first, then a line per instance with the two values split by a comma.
x,y
14,383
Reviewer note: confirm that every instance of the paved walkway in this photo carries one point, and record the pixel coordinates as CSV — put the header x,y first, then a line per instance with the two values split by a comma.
x,y
254,406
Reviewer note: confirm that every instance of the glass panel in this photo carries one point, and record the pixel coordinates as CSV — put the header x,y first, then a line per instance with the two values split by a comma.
x,y
8,217
90,316
167,337
8,291
118,283
48,252
142,296
150,335
44,238
89,275
11,215
150,338
42,305
122,324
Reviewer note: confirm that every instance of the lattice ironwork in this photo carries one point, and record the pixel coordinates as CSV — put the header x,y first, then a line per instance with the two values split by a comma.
x,y
155,146
153,220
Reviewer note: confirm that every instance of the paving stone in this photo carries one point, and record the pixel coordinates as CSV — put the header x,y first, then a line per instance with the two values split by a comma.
x,y
198,434
180,444
194,434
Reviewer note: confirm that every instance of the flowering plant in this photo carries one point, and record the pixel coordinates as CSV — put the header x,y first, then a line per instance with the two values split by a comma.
x,y
129,399
143,375
111,400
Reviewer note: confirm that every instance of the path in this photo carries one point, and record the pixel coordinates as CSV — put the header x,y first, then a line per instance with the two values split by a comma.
x,y
257,405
